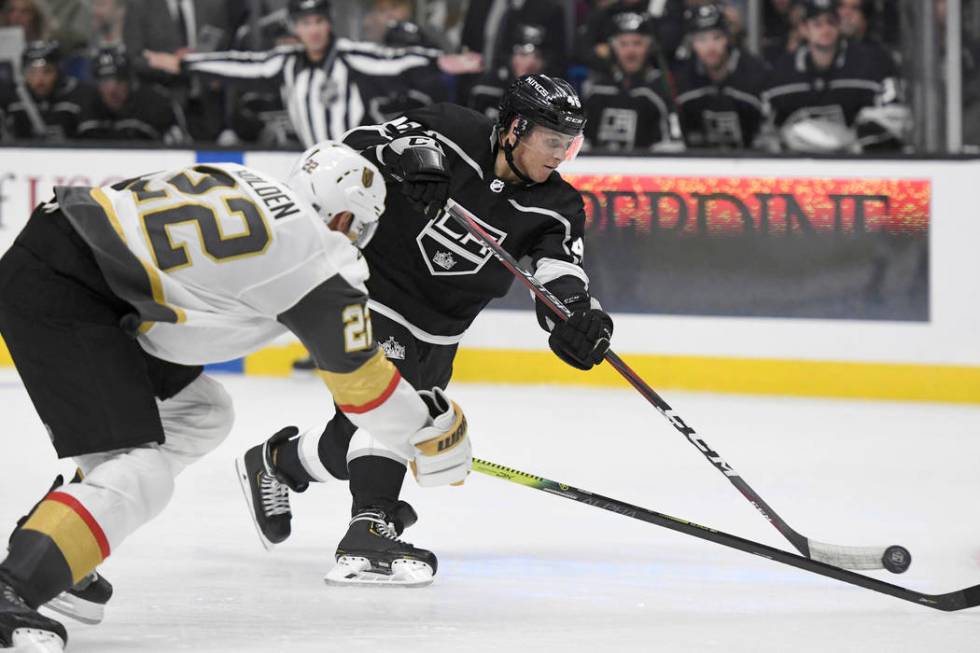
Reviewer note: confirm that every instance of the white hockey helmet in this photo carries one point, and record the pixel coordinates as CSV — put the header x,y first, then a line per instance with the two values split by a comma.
x,y
334,178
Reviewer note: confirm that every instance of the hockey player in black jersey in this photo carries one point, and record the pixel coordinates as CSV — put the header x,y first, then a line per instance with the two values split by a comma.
x,y
719,86
430,279
49,105
832,94
527,57
629,107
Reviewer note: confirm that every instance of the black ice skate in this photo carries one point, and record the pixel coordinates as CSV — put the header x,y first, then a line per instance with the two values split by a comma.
x,y
266,489
24,629
372,554
86,601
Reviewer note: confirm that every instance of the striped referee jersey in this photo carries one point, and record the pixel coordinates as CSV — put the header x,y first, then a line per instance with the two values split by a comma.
x,y
324,99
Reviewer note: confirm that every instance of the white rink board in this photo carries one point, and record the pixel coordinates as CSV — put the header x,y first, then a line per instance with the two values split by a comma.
x,y
949,338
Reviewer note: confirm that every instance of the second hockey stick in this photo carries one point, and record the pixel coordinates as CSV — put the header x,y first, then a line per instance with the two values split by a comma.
x,y
968,597
895,559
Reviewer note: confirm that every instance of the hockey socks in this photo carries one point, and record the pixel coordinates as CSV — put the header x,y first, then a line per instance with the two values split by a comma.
x,y
375,481
58,546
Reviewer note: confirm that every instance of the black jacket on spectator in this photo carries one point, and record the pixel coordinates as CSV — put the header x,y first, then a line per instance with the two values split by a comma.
x,y
627,113
860,76
54,118
148,115
725,114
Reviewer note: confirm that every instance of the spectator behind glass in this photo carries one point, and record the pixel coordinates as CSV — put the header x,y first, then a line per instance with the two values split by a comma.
x,y
627,107
108,17
526,58
180,26
719,87
128,110
72,24
832,95
384,13
31,16
47,107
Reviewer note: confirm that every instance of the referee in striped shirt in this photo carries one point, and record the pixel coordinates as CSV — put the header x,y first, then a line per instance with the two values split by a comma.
x,y
321,78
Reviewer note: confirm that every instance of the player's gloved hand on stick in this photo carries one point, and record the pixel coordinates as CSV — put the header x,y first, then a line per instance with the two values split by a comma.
x,y
583,339
444,453
422,166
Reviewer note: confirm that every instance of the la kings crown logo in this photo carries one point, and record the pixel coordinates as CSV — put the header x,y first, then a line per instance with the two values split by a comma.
x,y
449,250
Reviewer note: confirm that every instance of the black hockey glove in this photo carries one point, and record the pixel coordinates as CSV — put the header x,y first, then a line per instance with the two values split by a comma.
x,y
583,339
425,177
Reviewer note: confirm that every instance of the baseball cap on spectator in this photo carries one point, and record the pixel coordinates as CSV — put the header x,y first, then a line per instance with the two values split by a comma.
x,y
39,53
705,18
111,62
814,8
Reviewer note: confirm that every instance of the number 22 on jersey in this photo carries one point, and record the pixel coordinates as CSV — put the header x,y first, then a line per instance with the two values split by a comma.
x,y
183,209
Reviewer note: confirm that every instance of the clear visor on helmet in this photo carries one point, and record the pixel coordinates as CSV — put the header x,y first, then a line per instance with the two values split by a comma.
x,y
564,147
361,233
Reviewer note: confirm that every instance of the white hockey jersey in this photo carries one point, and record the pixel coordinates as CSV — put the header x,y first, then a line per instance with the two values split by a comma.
x,y
218,259
226,249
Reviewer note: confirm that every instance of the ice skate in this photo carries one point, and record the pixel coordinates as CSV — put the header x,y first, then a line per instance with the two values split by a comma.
x,y
266,490
25,630
85,602
372,554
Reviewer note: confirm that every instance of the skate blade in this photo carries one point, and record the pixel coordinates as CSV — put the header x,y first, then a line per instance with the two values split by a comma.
x,y
242,472
86,612
353,571
34,640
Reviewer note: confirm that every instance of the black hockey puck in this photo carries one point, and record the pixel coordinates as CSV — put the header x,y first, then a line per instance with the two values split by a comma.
x,y
896,559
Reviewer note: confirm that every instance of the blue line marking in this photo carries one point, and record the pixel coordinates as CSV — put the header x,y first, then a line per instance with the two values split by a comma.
x,y
220,156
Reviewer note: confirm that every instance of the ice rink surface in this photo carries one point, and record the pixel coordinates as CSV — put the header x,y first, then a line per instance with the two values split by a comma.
x,y
520,569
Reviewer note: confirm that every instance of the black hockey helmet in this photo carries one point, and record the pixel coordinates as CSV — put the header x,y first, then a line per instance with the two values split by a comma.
x,y
629,22
542,100
40,53
705,18
814,8
111,62
298,8
405,34
528,38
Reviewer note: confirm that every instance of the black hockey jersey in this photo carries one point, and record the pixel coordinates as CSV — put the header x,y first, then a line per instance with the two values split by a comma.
x,y
53,118
148,115
486,94
726,114
626,113
860,76
430,275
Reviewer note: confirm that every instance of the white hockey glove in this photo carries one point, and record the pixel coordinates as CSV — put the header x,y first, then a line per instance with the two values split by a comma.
x,y
444,454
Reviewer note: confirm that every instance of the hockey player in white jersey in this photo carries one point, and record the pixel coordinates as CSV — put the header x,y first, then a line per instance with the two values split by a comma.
x,y
111,300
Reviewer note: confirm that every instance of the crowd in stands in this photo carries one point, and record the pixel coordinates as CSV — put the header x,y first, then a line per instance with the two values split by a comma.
x,y
654,75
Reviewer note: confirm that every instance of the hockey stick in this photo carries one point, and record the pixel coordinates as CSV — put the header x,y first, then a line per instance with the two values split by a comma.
x,y
968,597
895,559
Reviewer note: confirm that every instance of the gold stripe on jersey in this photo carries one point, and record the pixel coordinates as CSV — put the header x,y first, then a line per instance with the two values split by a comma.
x,y
365,388
99,196
156,286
